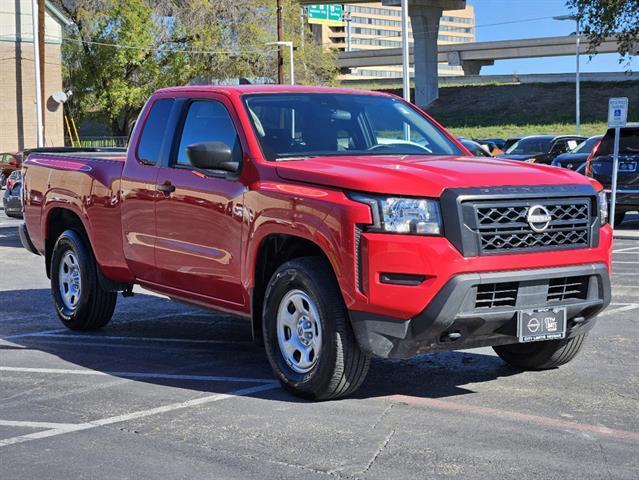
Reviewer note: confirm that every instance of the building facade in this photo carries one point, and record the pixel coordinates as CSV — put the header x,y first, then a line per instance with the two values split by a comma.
x,y
17,77
374,26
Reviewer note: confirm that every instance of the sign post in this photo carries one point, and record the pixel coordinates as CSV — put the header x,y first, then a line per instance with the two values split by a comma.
x,y
617,118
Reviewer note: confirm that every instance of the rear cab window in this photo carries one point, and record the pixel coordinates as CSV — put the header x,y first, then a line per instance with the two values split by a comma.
x,y
154,132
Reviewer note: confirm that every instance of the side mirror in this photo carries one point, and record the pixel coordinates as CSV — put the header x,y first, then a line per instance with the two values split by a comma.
x,y
212,156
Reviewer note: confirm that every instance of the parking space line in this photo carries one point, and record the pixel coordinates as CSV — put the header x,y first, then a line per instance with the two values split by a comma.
x,y
139,414
625,308
46,425
627,249
516,416
631,263
53,334
140,375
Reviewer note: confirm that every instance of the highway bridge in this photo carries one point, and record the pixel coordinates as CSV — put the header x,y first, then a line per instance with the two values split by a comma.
x,y
472,56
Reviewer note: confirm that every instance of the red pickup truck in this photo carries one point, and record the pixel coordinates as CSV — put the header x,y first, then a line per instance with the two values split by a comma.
x,y
342,224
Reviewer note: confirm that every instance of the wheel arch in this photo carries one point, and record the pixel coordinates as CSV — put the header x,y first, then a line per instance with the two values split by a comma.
x,y
60,219
274,250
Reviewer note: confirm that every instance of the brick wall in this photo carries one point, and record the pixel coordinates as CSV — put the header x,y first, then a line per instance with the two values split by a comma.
x,y
17,96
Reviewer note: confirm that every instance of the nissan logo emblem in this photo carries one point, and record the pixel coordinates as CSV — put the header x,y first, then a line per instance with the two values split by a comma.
x,y
538,218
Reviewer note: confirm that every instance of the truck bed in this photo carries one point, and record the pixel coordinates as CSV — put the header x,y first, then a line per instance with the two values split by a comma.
x,y
85,181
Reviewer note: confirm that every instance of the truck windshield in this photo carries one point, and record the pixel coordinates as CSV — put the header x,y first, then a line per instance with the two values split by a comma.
x,y
294,125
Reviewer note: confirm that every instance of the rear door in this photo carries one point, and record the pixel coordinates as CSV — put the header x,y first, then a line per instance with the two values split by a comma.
x,y
199,216
139,191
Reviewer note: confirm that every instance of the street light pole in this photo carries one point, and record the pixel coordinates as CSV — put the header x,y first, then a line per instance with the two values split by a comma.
x,y
577,80
576,19
405,51
292,59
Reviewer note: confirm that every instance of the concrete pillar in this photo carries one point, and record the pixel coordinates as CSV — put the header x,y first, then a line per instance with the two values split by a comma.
x,y
473,67
424,17
425,23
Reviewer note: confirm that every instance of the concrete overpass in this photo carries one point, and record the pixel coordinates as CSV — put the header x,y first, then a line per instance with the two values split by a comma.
x,y
472,56
425,16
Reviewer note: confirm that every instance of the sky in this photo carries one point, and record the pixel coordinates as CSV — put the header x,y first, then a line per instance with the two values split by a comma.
x,y
488,12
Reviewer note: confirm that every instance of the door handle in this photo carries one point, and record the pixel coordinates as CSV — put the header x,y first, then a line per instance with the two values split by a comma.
x,y
166,187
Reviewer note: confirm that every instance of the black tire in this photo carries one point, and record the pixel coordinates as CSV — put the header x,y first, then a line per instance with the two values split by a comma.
x,y
341,366
541,355
13,215
95,305
619,217
3,180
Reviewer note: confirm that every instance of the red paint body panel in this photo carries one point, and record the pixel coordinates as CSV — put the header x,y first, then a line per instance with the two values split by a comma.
x,y
201,242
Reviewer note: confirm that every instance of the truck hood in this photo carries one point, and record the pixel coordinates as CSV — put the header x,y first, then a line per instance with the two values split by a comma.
x,y
421,175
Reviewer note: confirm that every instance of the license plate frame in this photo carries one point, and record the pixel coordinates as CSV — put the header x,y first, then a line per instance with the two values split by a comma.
x,y
540,324
629,167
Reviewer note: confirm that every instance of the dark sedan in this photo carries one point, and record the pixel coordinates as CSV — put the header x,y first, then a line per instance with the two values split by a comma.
x,y
12,199
475,148
576,160
542,148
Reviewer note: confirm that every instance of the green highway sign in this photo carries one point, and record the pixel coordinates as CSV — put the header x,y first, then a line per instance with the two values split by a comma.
x,y
326,14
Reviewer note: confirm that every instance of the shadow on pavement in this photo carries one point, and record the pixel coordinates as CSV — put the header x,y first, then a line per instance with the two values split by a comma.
x,y
221,347
9,237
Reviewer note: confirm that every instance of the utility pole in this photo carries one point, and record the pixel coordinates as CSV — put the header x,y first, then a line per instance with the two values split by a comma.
x,y
280,38
36,61
41,48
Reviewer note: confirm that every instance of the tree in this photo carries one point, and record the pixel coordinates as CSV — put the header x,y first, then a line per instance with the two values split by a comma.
x,y
605,18
119,51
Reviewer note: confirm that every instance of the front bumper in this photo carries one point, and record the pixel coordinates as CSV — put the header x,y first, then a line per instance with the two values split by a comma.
x,y
454,310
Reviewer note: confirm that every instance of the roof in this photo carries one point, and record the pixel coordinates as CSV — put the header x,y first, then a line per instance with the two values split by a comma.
x,y
246,89
57,14
553,137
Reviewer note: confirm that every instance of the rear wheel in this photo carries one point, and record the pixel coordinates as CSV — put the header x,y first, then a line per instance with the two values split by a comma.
x,y
81,303
541,355
307,334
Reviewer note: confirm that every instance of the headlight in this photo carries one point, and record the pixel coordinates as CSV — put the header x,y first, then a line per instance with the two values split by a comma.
x,y
603,207
418,216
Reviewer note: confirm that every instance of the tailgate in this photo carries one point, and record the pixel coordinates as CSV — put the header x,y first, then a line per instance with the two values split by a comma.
x,y
627,175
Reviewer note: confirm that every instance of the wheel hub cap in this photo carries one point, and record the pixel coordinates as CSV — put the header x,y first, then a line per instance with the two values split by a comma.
x,y
299,331
69,280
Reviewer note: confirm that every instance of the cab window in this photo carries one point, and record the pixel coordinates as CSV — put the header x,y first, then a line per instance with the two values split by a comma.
x,y
154,132
208,121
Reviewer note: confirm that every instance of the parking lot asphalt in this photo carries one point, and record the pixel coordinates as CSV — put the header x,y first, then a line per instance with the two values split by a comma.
x,y
170,391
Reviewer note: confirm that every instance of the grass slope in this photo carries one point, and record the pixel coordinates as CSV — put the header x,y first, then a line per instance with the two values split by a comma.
x,y
482,111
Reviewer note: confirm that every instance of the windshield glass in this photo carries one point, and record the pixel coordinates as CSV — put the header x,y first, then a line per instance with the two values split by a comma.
x,y
530,146
628,142
587,146
293,125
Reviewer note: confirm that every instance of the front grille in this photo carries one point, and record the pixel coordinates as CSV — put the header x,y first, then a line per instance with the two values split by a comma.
x,y
503,226
571,288
491,295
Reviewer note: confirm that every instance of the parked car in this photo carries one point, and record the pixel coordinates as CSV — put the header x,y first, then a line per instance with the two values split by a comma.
x,y
9,163
542,148
497,142
12,199
510,142
280,204
576,159
599,166
475,148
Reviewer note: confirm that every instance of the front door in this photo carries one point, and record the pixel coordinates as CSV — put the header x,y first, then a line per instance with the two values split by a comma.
x,y
199,213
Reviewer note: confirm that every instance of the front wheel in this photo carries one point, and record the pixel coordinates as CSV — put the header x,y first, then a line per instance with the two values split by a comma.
x,y
307,334
81,302
541,355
